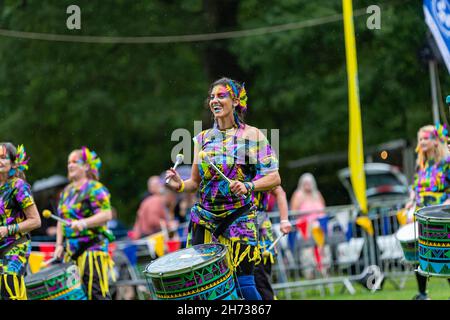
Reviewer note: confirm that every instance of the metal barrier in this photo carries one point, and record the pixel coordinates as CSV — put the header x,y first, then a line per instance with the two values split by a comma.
x,y
349,252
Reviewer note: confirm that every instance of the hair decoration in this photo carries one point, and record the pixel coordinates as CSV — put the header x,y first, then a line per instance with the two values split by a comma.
x,y
91,159
21,162
240,94
441,132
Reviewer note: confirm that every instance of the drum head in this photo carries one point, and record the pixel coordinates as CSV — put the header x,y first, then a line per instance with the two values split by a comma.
x,y
406,232
437,215
186,259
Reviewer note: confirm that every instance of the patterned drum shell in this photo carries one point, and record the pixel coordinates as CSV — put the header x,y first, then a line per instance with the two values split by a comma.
x,y
407,236
434,241
200,272
57,282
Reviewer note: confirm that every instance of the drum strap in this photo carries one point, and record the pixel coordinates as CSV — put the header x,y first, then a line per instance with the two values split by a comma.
x,y
230,219
4,250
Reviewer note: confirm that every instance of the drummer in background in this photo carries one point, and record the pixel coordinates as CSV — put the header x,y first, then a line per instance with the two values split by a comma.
x,y
225,212
432,179
85,202
18,217
263,270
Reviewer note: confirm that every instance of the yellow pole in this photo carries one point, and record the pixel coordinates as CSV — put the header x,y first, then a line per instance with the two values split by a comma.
x,y
355,150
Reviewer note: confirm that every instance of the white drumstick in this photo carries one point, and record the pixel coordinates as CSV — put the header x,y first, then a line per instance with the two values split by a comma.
x,y
208,160
274,243
179,160
48,214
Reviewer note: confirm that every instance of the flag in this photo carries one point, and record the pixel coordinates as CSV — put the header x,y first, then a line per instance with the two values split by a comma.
x,y
318,235
437,15
355,150
366,224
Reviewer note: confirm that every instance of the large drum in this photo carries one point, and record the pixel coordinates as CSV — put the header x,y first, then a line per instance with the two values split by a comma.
x,y
434,241
57,282
407,235
200,272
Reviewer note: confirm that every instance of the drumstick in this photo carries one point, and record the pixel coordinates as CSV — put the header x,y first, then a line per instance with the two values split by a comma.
x,y
267,252
178,160
208,160
48,214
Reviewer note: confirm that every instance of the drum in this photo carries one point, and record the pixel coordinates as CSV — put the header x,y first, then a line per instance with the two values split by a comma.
x,y
407,236
434,241
200,272
57,282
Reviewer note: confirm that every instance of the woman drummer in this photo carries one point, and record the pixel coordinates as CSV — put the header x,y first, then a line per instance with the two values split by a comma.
x,y
18,216
225,211
85,203
432,179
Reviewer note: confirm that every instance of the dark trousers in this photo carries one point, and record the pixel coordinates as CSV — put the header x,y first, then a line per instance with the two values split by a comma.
x,y
263,274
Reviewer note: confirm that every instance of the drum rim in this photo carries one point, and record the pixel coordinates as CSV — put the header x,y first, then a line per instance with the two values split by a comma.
x,y
432,209
30,279
213,259
431,274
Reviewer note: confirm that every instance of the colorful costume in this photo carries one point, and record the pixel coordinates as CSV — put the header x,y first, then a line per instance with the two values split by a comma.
x,y
94,262
15,196
432,183
239,159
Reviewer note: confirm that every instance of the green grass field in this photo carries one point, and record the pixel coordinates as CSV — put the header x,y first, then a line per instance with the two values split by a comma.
x,y
438,289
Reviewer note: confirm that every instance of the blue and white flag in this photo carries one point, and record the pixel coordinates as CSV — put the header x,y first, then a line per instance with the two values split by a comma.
x,y
437,17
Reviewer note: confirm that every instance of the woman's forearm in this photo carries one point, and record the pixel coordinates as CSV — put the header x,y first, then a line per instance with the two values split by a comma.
x,y
267,182
59,233
98,219
190,186
32,221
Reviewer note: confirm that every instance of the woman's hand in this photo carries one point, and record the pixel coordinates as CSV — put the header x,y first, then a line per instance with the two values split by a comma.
x,y
3,232
238,188
59,250
78,225
285,226
409,204
174,179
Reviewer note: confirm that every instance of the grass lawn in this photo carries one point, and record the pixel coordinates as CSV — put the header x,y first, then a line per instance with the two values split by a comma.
x,y
438,289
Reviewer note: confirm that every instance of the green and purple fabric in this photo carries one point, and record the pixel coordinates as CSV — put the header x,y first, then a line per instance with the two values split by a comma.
x,y
432,183
239,159
83,202
15,196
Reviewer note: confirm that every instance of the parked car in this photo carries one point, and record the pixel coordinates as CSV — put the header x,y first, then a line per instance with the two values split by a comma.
x,y
383,182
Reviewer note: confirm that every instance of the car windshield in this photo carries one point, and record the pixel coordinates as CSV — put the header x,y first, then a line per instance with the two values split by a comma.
x,y
381,179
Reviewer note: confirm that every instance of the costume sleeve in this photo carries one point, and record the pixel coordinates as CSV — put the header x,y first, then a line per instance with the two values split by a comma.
x,y
266,159
22,192
99,198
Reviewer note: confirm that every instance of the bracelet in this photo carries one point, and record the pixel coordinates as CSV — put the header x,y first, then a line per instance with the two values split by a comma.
x,y
12,229
181,189
84,224
281,221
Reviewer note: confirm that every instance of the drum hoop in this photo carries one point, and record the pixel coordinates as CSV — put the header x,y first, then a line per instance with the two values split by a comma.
x,y
215,258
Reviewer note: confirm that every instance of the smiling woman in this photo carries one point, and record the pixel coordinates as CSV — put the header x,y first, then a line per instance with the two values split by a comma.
x,y
18,216
226,212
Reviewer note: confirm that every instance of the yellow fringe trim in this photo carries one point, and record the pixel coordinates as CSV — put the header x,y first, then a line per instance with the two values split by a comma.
x,y
235,256
20,292
103,268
